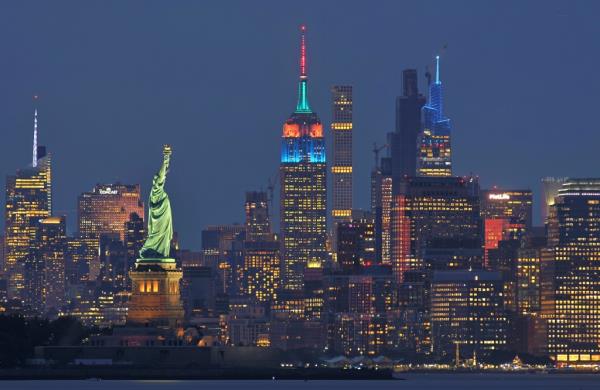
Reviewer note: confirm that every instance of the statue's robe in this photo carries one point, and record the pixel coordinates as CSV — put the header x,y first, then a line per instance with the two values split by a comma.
x,y
160,224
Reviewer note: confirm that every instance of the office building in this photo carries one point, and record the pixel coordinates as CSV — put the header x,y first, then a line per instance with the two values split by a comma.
x,y
550,187
512,205
53,247
467,313
434,142
356,244
435,214
381,208
570,274
28,199
341,166
258,222
107,208
135,235
404,140
303,181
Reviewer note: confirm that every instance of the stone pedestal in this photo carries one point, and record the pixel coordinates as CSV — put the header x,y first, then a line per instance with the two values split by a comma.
x,y
155,296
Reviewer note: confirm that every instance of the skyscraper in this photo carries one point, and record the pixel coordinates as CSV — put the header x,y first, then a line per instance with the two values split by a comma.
x,y
52,238
513,205
403,142
28,199
550,187
258,223
303,178
435,150
261,268
107,208
341,169
467,312
135,235
219,244
356,244
381,207
571,274
436,219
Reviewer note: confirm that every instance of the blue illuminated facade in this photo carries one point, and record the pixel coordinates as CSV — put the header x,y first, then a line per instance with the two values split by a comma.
x,y
303,139
305,148
435,150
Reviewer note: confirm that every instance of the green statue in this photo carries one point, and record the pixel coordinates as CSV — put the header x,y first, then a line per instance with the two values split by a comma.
x,y
160,224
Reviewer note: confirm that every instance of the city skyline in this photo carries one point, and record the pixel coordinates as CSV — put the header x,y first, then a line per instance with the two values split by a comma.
x,y
442,215
89,99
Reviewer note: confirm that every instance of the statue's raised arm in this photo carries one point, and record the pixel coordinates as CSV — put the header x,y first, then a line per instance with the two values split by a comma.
x,y
160,224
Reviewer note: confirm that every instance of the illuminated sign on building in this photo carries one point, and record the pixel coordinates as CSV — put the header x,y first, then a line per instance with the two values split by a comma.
x,y
503,196
107,191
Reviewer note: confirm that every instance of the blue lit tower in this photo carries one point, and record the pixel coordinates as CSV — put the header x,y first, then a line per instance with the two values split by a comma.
x,y
303,175
434,156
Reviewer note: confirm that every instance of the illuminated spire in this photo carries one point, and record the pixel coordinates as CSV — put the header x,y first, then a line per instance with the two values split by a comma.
x,y
302,106
437,69
35,134
303,74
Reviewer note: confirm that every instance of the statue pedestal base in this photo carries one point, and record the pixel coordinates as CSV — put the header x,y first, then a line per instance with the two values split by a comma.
x,y
155,296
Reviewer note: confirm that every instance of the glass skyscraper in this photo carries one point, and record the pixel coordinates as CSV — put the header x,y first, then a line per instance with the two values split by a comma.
x,y
434,150
571,273
28,199
403,141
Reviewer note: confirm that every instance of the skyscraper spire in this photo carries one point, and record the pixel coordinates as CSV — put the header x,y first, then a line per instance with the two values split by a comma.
x,y
35,134
303,73
303,106
437,69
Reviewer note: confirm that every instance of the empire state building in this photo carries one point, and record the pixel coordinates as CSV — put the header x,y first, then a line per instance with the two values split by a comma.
x,y
303,178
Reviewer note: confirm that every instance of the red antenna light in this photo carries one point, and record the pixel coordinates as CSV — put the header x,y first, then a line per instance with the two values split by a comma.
x,y
303,74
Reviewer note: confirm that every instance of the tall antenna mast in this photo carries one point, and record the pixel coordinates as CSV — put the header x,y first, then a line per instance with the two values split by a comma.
x,y
35,134
303,74
437,69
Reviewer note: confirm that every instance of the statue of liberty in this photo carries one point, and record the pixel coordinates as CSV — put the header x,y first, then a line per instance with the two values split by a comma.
x,y
160,223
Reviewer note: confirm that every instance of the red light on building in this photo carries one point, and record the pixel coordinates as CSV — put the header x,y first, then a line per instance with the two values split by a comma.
x,y
494,233
291,130
316,130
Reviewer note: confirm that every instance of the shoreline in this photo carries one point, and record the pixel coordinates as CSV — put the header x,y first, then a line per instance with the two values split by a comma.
x,y
111,373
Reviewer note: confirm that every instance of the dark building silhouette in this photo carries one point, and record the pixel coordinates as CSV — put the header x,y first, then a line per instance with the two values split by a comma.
x,y
436,219
356,244
135,235
403,141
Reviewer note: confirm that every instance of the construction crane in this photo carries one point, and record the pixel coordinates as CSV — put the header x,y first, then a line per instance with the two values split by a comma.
x,y
376,150
271,182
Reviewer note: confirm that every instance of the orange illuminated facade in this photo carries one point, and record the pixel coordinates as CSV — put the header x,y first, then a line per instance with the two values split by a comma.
x,y
107,208
494,233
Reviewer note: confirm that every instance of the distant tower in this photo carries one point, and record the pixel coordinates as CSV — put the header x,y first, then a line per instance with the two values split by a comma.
x,y
258,225
35,131
303,187
435,150
341,169
261,268
381,207
28,199
403,142
52,236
